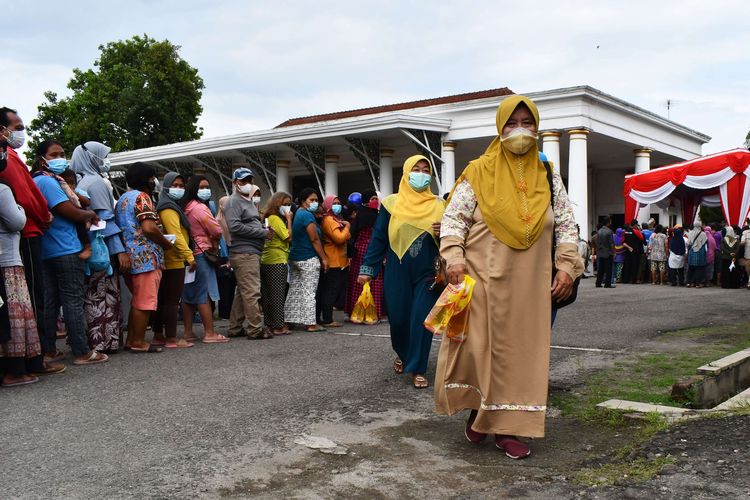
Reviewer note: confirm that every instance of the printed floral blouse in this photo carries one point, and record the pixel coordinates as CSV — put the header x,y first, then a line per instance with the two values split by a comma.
x,y
132,209
459,217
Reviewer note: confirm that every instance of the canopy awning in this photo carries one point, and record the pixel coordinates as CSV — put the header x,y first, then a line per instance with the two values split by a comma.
x,y
695,182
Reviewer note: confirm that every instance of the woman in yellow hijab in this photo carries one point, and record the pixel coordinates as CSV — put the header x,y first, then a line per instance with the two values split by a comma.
x,y
406,235
498,228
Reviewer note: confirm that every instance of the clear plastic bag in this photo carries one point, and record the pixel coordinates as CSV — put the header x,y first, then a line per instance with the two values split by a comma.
x,y
450,314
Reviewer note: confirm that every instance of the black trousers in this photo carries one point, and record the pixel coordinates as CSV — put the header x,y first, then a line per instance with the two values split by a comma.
x,y
31,256
630,269
604,272
677,276
331,288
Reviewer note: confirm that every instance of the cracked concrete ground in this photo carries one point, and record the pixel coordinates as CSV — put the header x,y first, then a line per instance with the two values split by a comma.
x,y
221,420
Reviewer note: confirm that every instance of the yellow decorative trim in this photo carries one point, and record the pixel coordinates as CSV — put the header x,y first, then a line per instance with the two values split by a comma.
x,y
283,163
386,153
643,151
332,158
583,131
550,133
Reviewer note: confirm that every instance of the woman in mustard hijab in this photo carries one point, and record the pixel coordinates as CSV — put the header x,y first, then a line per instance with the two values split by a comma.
x,y
499,228
406,234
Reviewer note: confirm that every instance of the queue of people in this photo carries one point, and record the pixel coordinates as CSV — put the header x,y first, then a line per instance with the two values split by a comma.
x,y
650,253
67,245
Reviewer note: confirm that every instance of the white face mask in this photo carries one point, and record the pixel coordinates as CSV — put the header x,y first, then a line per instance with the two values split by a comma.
x,y
244,189
519,140
285,209
16,138
256,200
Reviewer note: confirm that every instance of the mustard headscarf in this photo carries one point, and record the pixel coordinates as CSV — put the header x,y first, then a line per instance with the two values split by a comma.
x,y
512,190
412,212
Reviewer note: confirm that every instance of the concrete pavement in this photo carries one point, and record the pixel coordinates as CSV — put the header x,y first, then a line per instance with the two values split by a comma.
x,y
221,420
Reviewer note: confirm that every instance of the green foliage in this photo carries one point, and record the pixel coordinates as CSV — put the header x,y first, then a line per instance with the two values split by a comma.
x,y
139,94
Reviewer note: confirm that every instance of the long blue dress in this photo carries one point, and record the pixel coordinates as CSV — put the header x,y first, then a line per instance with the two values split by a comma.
x,y
407,292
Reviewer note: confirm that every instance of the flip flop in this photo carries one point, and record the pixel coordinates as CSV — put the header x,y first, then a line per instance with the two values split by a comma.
x,y
59,355
177,345
218,339
159,342
32,380
149,349
49,370
315,330
93,359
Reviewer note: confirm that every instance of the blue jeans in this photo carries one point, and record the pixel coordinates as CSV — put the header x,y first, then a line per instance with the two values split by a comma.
x,y
63,286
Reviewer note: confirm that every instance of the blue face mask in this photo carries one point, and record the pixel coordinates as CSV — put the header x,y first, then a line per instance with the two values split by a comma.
x,y
57,166
419,181
313,207
204,194
176,193
336,209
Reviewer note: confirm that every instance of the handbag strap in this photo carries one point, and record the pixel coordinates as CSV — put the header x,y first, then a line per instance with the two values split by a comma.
x,y
548,168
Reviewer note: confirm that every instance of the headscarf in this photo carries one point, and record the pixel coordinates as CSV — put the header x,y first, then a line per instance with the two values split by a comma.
x,y
87,164
512,191
412,212
328,207
618,237
677,243
166,202
730,238
697,237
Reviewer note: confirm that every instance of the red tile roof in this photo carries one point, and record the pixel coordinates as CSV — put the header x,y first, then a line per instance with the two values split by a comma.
x,y
396,107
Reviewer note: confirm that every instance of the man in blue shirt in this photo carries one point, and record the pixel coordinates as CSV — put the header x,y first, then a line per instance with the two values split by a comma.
x,y
63,274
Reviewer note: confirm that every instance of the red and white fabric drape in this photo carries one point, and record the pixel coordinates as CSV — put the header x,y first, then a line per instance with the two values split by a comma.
x,y
726,171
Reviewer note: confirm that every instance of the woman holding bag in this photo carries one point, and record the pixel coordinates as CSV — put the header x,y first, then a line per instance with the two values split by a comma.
x,y
406,234
499,229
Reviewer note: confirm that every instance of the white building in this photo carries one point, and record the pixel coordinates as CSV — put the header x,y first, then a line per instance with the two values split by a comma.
x,y
593,138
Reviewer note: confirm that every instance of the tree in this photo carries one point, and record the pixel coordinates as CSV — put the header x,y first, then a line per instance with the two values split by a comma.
x,y
140,93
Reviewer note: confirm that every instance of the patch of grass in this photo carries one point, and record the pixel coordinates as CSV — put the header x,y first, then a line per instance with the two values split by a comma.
x,y
648,377
636,471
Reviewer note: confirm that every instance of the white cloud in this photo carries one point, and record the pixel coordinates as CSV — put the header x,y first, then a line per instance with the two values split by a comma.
x,y
266,61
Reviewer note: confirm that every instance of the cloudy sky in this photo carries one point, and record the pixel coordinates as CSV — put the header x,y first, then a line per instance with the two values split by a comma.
x,y
266,61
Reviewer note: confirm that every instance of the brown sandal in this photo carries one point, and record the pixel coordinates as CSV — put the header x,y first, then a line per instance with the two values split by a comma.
x,y
420,382
398,366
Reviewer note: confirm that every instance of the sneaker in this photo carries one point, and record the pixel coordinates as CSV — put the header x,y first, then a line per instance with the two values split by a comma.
x,y
512,447
473,436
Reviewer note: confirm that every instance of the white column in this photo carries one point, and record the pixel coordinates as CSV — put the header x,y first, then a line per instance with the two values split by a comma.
x,y
448,172
642,164
578,177
282,176
332,175
386,172
551,147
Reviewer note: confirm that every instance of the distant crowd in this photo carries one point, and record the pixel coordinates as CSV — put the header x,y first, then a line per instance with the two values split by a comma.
x,y
702,256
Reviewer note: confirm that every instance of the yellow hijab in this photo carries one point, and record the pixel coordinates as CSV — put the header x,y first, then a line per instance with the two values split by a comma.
x,y
512,190
412,212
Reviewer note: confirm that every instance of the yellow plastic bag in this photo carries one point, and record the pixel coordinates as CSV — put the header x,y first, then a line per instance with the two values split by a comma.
x,y
450,314
364,311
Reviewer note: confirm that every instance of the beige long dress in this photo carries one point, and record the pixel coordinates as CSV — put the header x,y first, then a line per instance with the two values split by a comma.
x,y
502,367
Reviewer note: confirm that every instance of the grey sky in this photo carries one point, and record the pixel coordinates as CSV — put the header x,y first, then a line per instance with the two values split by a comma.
x,y
266,61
